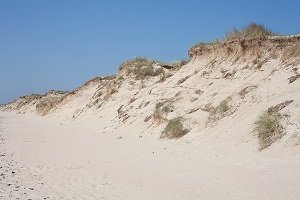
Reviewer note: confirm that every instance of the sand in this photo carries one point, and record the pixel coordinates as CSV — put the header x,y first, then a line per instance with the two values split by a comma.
x,y
44,159
95,142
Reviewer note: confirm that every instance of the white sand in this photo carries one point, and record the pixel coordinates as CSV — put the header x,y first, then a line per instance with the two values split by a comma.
x,y
92,147
79,161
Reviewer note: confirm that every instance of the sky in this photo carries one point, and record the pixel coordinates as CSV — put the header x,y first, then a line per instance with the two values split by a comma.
x,y
59,44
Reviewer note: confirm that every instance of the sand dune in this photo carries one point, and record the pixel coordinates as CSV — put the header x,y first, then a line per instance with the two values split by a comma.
x,y
102,140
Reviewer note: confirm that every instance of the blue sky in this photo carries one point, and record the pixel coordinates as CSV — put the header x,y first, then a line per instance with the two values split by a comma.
x,y
59,44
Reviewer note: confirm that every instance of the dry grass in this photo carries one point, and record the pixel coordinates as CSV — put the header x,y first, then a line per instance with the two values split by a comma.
x,y
174,129
158,117
136,63
161,110
219,112
141,68
250,31
111,88
291,52
246,90
221,108
199,92
268,128
183,79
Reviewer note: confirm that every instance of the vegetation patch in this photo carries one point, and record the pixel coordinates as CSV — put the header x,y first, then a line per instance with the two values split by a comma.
x,y
183,79
161,110
246,90
294,78
219,112
269,128
291,52
111,88
250,31
141,68
280,106
174,129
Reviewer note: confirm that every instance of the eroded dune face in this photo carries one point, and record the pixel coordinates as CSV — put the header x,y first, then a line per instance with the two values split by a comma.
x,y
225,125
230,82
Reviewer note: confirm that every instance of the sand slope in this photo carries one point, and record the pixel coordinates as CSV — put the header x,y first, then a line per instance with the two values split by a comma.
x,y
78,161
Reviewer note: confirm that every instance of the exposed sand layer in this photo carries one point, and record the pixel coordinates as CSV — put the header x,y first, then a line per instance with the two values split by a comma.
x,y
43,159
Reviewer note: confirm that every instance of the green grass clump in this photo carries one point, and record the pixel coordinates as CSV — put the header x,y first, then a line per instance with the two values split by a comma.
x,y
268,128
174,129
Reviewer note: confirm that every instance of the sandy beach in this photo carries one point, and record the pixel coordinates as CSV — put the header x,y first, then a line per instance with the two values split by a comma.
x,y
44,159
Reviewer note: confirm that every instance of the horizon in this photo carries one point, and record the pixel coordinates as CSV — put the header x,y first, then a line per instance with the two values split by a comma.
x,y
59,45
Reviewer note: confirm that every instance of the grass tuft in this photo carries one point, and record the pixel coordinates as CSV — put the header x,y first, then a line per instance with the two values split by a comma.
x,y
219,111
174,129
251,31
161,109
268,128
141,68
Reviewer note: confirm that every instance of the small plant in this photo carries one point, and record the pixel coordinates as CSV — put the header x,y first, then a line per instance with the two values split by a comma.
x,y
220,111
158,116
221,108
268,128
161,109
174,129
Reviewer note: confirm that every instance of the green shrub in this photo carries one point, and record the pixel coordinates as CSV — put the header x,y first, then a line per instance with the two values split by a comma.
x,y
268,128
174,129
